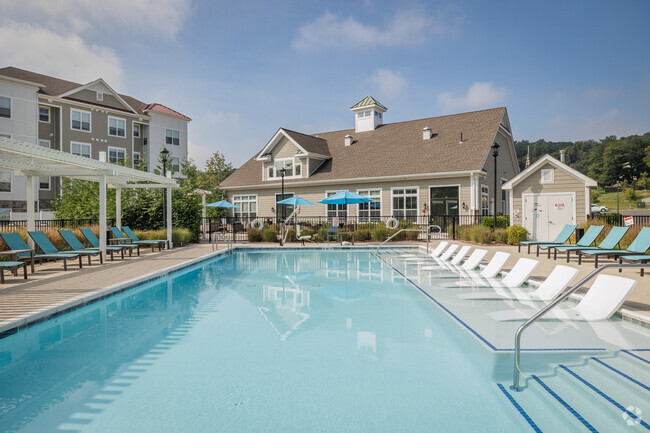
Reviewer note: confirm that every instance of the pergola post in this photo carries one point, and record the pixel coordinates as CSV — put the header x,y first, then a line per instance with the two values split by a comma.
x,y
102,214
203,215
168,191
31,214
118,206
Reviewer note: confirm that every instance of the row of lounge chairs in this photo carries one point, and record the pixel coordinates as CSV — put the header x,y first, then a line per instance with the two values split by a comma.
x,y
23,255
602,300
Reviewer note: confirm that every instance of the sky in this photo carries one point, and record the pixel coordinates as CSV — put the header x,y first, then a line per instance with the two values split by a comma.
x,y
565,70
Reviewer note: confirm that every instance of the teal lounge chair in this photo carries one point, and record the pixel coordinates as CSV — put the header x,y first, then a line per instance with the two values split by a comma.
x,y
16,242
48,247
564,236
94,242
639,246
585,241
123,240
159,242
71,239
610,242
12,266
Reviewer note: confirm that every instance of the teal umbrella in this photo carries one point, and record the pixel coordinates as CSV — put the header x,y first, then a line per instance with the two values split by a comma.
x,y
221,203
296,201
346,197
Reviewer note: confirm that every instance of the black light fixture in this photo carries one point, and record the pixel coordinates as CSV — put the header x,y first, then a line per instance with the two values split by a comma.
x,y
495,153
164,156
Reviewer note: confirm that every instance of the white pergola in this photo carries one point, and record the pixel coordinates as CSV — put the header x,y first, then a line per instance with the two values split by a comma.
x,y
32,161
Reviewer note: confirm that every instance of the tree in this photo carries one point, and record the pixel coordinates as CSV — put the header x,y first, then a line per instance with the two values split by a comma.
x,y
79,199
216,171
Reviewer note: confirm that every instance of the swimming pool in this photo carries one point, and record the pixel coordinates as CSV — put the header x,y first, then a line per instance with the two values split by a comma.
x,y
312,340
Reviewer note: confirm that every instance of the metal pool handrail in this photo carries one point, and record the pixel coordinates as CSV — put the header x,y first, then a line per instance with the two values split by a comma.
x,y
561,297
215,240
411,230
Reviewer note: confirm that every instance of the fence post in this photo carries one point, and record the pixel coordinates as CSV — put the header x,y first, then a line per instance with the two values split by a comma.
x,y
453,225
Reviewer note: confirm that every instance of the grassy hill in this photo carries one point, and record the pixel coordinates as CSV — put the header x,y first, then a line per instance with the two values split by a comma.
x,y
609,199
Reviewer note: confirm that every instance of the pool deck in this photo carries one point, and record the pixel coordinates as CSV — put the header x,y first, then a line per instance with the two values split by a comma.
x,y
51,289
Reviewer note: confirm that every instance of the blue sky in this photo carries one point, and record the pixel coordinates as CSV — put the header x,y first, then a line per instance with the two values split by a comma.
x,y
566,70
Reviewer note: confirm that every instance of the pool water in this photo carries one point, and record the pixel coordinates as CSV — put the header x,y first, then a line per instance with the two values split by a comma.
x,y
308,341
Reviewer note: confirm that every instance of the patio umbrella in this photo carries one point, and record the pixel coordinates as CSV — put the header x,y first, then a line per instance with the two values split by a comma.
x,y
346,197
296,201
222,203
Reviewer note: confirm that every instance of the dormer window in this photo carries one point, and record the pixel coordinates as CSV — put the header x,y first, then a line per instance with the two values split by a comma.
x,y
290,169
366,113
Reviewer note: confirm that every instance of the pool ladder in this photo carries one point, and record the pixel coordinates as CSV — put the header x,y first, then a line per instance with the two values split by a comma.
x,y
216,236
561,297
427,231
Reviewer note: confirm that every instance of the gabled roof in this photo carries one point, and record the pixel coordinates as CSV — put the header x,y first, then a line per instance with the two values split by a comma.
x,y
368,101
160,108
308,144
394,149
554,162
104,84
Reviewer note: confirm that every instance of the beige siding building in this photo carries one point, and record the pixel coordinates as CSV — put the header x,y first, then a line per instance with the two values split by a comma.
x,y
433,166
547,195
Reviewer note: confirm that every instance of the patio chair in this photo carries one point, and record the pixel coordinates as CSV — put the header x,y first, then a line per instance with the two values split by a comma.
x,y
449,251
561,238
134,239
585,241
515,278
603,299
610,242
11,266
119,237
16,242
462,253
639,246
556,282
301,237
94,242
332,232
439,249
48,247
466,270
490,271
71,239
433,254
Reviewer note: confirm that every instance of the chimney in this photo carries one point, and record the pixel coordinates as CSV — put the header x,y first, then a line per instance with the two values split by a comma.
x,y
426,133
562,155
461,138
348,140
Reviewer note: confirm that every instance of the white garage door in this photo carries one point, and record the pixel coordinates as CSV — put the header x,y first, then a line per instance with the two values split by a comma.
x,y
546,214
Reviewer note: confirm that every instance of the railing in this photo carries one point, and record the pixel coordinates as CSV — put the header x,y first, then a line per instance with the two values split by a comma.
x,y
616,219
214,238
561,297
410,230
53,223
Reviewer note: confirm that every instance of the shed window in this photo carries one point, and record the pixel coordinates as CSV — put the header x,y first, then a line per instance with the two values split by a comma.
x,y
548,176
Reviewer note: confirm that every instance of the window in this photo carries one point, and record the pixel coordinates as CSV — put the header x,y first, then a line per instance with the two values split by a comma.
x,y
5,135
44,183
336,210
485,200
5,181
116,155
44,143
100,96
247,206
136,159
5,107
172,137
44,114
405,202
291,170
284,210
116,127
136,130
366,113
504,198
370,211
81,149
175,164
548,176
80,120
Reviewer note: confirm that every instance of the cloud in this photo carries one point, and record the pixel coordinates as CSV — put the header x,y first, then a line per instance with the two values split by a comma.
x,y
69,57
408,27
564,127
598,94
159,17
479,95
389,82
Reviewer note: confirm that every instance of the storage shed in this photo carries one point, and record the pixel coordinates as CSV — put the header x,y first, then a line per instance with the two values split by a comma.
x,y
547,195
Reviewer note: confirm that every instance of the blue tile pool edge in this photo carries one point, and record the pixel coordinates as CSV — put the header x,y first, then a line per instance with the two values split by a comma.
x,y
25,321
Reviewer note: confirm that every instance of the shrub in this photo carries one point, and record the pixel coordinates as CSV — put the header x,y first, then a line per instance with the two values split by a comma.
x,y
269,235
180,235
322,234
399,237
630,194
254,235
464,233
482,235
412,236
501,236
291,235
503,221
516,234
379,233
362,235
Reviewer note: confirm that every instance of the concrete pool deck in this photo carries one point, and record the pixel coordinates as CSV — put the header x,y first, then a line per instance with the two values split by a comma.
x,y
51,289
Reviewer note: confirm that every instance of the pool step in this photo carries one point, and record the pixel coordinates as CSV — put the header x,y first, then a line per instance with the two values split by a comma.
x,y
601,394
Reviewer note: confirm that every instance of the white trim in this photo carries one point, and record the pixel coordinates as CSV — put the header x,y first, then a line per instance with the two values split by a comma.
x,y
381,199
417,194
49,115
481,199
273,142
108,153
81,121
459,205
560,165
99,81
11,107
133,125
587,202
49,143
90,106
108,127
531,194
508,194
512,205
82,143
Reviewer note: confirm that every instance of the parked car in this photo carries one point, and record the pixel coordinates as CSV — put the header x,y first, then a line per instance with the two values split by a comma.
x,y
599,208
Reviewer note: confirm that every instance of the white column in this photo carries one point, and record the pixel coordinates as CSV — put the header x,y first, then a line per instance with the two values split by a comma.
x,y
30,196
169,216
472,195
118,206
102,214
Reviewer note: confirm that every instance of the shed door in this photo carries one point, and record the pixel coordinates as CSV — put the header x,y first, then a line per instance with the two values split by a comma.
x,y
546,214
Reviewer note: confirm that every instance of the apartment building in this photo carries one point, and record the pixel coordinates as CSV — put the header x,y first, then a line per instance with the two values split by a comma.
x,y
83,119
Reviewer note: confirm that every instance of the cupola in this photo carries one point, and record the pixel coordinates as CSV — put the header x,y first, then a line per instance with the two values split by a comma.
x,y
368,114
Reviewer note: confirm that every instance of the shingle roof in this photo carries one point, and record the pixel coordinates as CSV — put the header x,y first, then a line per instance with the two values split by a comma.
x,y
368,101
160,108
397,149
308,142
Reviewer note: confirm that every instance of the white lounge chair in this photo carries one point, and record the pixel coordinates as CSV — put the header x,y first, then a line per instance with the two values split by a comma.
x,y
555,283
606,295
460,255
438,250
515,278
493,267
457,259
451,250
433,255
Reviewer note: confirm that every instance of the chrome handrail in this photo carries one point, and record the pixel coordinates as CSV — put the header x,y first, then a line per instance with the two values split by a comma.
x,y
215,241
559,298
411,230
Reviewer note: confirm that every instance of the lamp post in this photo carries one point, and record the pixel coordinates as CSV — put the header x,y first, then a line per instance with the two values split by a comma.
x,y
283,171
495,153
164,155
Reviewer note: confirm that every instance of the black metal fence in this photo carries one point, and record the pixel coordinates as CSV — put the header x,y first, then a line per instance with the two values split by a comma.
x,y
55,223
615,219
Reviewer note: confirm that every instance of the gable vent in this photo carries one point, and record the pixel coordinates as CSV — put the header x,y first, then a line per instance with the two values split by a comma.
x,y
348,140
426,133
